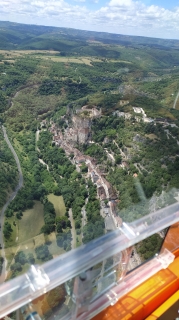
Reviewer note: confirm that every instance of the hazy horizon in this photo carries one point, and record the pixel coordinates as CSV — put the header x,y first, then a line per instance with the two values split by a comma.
x,y
148,18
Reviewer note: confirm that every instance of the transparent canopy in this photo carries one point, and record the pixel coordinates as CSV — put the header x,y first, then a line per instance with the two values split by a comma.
x,y
83,281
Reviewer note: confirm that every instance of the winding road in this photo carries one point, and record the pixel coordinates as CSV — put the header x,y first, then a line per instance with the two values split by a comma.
x,y
73,231
37,139
12,196
176,99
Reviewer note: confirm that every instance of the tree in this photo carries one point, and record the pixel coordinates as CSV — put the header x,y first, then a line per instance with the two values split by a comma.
x,y
62,223
19,215
60,239
48,228
65,245
77,224
20,257
3,102
1,264
118,159
16,267
43,253
31,258
7,229
84,168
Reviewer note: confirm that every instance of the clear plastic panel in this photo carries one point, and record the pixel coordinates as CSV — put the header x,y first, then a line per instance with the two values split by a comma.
x,y
90,272
90,292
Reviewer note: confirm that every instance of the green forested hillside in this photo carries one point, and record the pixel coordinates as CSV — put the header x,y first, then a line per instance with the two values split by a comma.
x,y
14,36
8,171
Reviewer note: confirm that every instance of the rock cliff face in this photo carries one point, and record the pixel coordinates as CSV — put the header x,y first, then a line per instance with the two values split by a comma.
x,y
80,131
81,123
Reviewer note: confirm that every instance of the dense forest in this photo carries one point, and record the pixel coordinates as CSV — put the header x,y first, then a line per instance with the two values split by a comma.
x,y
8,171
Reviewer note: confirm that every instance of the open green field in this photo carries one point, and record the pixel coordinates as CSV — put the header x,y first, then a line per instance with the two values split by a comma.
x,y
13,245
58,203
10,55
81,60
12,240
54,249
29,246
31,223
17,53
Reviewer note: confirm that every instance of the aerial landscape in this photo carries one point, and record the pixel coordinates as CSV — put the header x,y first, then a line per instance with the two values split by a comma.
x,y
89,137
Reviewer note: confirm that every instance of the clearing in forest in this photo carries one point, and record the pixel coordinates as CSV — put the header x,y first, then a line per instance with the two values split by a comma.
x,y
54,249
31,222
58,203
16,53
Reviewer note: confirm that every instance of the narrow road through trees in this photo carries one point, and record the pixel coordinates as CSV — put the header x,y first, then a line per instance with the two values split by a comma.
x,y
73,231
13,195
176,99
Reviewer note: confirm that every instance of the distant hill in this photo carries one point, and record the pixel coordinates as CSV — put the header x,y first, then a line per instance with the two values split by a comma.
x,y
23,36
149,53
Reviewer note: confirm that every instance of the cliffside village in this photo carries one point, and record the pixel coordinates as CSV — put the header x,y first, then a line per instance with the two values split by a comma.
x,y
80,132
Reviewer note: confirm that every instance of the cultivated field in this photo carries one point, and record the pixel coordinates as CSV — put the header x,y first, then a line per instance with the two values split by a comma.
x,y
17,53
80,60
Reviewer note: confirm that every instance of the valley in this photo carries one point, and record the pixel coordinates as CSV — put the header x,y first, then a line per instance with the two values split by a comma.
x,y
95,128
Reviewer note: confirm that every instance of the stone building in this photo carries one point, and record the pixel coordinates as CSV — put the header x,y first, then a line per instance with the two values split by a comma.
x,y
101,193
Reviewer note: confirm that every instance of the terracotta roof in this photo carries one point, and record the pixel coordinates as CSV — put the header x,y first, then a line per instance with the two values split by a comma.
x,y
135,175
